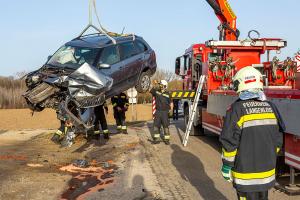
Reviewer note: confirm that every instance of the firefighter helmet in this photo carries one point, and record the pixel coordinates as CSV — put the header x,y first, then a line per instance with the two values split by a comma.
x,y
247,78
164,83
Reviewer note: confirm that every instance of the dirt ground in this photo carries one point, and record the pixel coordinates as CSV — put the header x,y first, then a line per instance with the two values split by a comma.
x,y
127,167
20,119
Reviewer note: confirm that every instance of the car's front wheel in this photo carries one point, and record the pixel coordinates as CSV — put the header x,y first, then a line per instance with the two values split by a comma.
x,y
144,82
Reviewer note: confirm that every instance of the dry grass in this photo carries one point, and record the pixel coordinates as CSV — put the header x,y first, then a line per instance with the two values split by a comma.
x,y
19,119
11,91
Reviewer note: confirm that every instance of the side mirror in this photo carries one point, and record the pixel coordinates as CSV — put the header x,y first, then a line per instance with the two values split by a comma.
x,y
103,66
49,57
177,66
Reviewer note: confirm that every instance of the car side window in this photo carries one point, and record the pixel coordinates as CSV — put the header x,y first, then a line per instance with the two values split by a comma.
x,y
127,50
141,46
109,55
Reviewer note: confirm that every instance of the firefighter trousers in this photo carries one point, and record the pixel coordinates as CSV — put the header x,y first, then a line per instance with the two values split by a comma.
x,y
161,119
100,118
253,195
120,119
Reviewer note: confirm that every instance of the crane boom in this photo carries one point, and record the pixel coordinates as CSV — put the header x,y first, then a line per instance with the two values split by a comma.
x,y
228,29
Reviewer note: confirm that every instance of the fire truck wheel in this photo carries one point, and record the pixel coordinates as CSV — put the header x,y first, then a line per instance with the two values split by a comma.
x,y
196,130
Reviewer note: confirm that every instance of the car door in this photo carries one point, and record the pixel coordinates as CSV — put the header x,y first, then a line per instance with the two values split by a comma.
x,y
131,59
110,56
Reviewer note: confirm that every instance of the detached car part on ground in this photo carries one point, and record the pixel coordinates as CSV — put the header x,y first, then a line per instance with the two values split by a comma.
x,y
85,72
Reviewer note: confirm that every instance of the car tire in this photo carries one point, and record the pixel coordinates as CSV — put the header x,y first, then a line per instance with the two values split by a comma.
x,y
144,82
196,130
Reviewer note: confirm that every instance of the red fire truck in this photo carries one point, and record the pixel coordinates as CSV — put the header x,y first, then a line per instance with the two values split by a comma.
x,y
220,59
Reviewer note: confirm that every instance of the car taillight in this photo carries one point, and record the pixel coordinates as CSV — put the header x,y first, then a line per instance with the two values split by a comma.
x,y
153,55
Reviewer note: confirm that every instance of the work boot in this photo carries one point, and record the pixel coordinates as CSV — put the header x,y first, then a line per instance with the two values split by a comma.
x,y
119,128
156,136
106,134
124,130
56,138
166,136
96,135
167,142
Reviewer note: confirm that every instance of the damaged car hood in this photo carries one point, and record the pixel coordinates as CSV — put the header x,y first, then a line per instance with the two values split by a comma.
x,y
87,81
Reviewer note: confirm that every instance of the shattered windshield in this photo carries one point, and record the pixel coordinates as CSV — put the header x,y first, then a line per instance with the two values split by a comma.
x,y
73,57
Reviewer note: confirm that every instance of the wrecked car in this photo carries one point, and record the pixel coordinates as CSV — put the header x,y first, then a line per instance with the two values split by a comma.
x,y
85,72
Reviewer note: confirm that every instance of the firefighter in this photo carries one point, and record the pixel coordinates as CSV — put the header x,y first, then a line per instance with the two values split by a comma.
x,y
175,109
59,134
163,106
251,138
120,106
100,118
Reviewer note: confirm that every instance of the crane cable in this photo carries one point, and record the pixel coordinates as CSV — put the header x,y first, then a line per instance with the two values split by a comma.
x,y
93,7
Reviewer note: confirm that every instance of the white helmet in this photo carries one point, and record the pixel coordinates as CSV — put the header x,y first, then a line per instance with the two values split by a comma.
x,y
164,83
247,78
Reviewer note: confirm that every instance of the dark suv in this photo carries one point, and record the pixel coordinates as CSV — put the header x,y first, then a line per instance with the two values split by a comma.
x,y
86,71
130,62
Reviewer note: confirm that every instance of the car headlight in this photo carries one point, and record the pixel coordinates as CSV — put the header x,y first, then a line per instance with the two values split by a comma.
x,y
35,78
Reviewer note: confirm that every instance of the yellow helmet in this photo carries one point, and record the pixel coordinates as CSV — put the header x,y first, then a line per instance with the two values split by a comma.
x,y
247,78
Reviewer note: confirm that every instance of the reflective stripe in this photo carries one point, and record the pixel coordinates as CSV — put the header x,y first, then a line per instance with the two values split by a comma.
x,y
260,122
166,95
156,135
277,150
158,92
119,127
229,154
124,127
251,117
96,132
167,137
229,159
254,181
242,198
59,132
259,175
105,131
115,104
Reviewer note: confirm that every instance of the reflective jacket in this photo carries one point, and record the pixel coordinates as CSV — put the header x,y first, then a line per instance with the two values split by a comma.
x,y
120,100
162,99
252,136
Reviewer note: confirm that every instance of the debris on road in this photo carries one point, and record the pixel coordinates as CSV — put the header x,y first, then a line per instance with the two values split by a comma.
x,y
81,163
34,165
87,181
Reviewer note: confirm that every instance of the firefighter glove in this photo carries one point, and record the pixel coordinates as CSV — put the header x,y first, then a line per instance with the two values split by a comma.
x,y
226,172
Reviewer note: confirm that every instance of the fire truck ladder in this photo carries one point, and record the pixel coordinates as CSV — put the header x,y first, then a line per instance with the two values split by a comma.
x,y
193,111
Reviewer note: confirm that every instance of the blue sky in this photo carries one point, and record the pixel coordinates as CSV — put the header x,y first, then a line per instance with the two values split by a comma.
x,y
33,29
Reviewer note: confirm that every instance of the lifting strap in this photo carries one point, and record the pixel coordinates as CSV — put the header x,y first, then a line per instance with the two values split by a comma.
x,y
193,110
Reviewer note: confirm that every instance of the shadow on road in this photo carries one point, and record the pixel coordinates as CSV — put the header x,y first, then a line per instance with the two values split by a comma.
x,y
209,138
191,169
